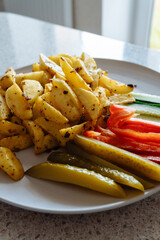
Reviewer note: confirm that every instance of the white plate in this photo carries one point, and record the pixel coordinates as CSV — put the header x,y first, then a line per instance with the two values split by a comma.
x,y
50,197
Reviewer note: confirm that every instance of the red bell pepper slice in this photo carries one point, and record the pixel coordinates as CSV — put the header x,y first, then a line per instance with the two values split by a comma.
x,y
106,136
119,123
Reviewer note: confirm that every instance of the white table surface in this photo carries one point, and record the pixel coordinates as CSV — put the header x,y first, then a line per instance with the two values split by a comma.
x,y
21,41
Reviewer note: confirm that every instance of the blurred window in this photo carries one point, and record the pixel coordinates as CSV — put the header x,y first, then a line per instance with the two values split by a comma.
x,y
155,27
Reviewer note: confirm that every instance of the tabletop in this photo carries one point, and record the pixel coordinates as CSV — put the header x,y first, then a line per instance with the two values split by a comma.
x,y
21,41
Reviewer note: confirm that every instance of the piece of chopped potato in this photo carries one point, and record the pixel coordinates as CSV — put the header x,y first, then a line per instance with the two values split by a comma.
x,y
73,78
31,89
17,102
10,164
16,143
9,129
4,110
8,79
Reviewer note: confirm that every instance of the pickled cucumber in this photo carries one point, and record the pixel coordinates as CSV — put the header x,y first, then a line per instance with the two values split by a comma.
x,y
72,148
117,176
77,176
121,157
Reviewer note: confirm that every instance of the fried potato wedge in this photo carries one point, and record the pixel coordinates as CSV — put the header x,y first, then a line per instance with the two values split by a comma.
x,y
10,164
31,89
100,93
58,83
53,129
4,110
55,58
16,143
89,101
31,75
9,129
81,69
2,91
51,67
121,99
15,119
36,67
73,78
96,76
70,132
48,87
88,61
66,100
36,134
115,86
50,112
17,102
8,79
49,142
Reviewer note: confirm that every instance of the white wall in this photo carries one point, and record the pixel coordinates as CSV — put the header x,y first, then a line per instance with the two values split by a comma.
x,y
87,15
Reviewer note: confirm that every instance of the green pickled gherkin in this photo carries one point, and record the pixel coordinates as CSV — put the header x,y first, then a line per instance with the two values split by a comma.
x,y
77,176
117,176
72,148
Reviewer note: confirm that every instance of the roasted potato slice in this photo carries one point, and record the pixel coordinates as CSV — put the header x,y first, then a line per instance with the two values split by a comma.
x,y
66,100
114,86
4,110
2,91
51,67
81,69
46,76
50,112
53,129
8,79
9,129
88,61
17,102
48,87
70,132
121,99
100,93
55,58
15,119
49,142
96,76
31,89
10,164
90,102
16,143
36,134
31,75
73,78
